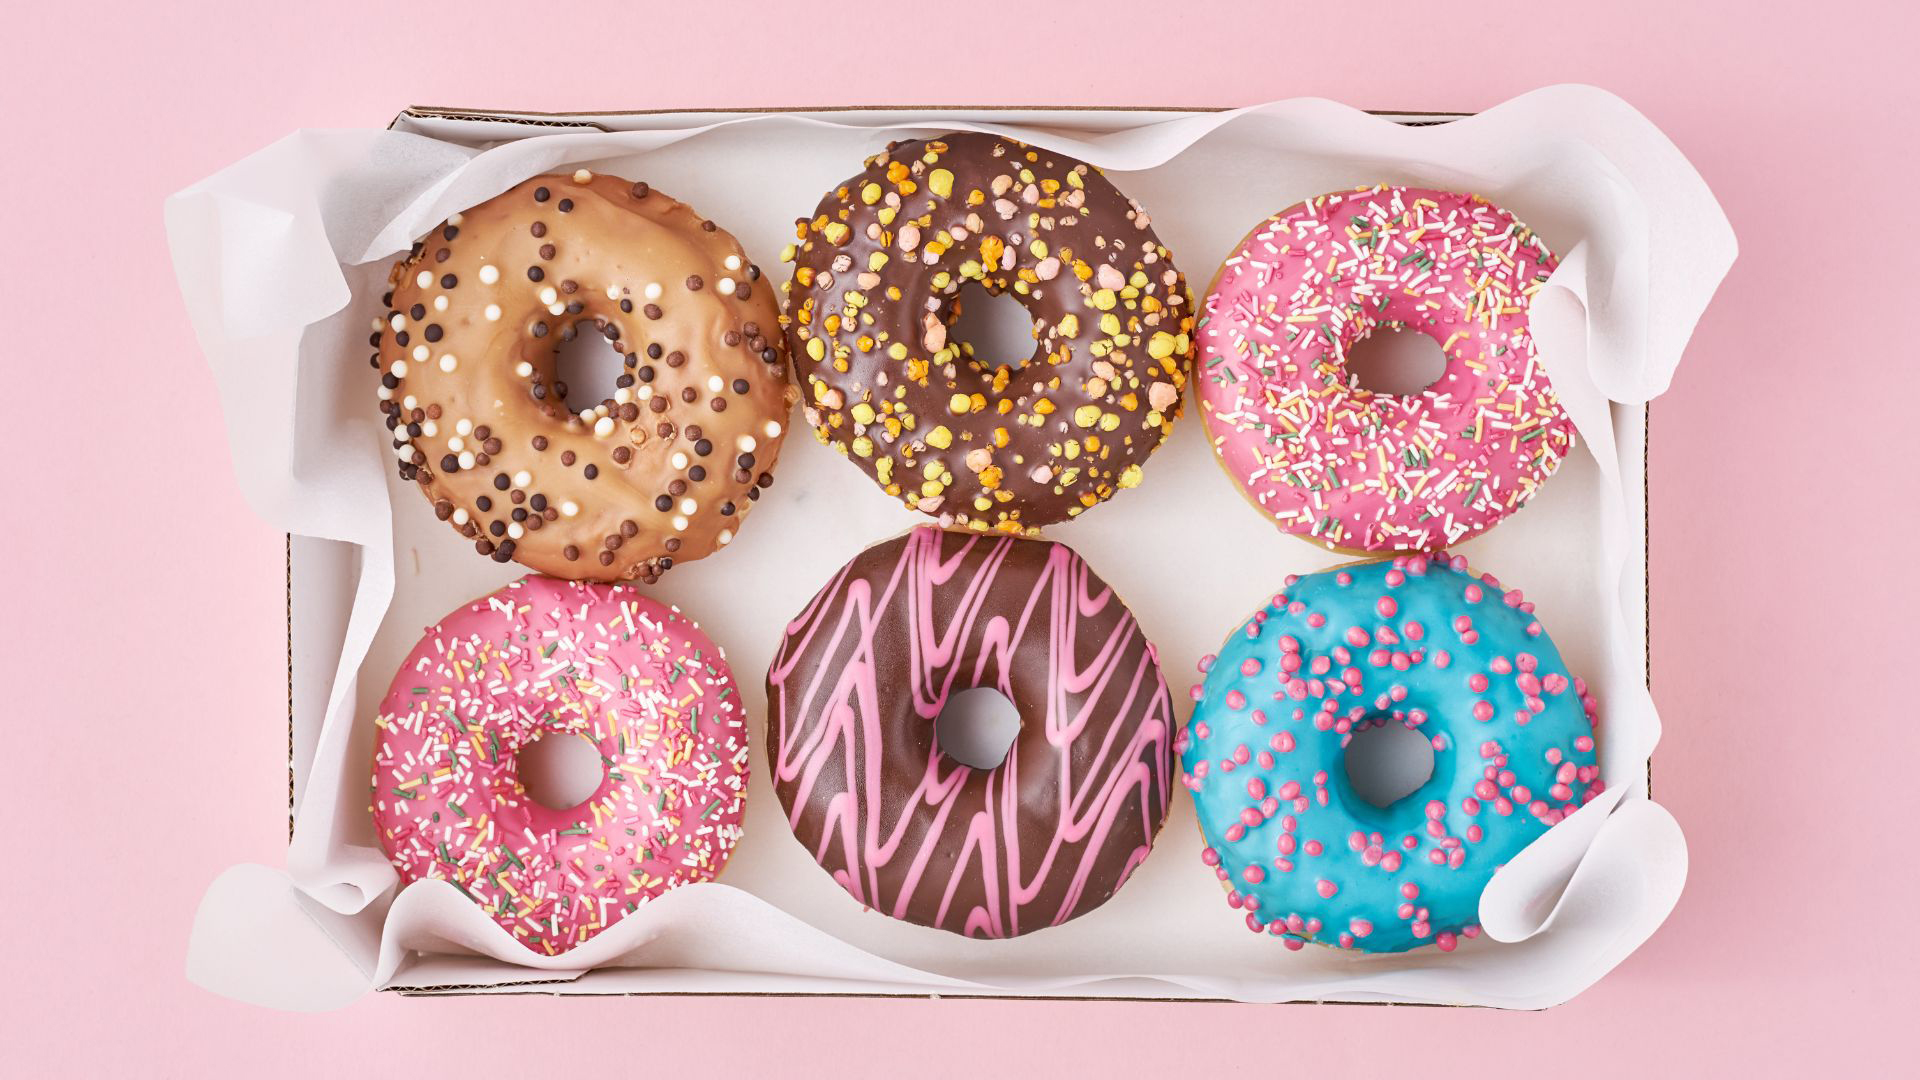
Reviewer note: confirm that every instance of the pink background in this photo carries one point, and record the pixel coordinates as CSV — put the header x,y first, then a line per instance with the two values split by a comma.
x,y
145,647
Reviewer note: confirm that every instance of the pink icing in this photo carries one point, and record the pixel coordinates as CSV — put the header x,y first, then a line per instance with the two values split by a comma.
x,y
1348,467
543,657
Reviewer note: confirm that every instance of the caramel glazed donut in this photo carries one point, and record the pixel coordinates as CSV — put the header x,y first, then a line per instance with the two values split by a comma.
x,y
877,284
662,471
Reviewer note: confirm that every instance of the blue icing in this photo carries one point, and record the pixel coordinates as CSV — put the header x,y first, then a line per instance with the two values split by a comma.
x,y
1264,754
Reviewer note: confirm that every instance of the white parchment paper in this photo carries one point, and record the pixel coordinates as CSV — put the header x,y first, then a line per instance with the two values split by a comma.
x,y
282,257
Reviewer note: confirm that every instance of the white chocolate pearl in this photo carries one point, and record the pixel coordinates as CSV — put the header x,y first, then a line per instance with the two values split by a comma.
x,y
522,478
385,394
455,219
653,290
582,176
725,286
420,352
716,384
679,523
411,402
773,429
399,369
456,444
733,262
466,459
514,531
557,309
423,279
725,537
449,362
746,443
464,426
688,506
548,295
398,322
603,427
523,369
679,460
644,392
489,274
622,395
379,326
460,515
493,312
613,292
569,508
440,302
429,428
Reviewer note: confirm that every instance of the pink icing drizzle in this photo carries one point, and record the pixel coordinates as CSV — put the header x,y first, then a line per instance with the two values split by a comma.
x,y
863,674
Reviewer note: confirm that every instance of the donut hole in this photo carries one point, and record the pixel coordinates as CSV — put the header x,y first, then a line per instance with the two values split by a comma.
x,y
561,771
994,330
1388,762
977,728
1395,360
586,369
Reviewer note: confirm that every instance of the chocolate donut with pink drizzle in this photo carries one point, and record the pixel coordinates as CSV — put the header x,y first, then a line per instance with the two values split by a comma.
x,y
861,677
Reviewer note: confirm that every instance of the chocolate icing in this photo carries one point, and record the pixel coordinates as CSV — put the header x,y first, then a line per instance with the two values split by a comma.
x,y
861,677
878,280
663,471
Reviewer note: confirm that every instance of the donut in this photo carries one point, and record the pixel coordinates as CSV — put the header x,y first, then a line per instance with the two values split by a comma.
x,y
1418,641
666,469
1344,466
860,679
880,273
545,658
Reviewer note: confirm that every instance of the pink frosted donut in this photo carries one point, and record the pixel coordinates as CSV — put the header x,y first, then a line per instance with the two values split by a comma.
x,y
546,657
1350,468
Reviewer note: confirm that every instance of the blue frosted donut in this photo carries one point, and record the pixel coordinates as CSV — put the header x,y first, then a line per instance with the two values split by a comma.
x,y
1417,641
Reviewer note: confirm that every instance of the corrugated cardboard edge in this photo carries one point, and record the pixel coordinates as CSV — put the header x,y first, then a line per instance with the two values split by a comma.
x,y
578,121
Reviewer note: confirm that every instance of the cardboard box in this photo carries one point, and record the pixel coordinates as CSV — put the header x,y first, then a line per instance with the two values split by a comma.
x,y
1248,164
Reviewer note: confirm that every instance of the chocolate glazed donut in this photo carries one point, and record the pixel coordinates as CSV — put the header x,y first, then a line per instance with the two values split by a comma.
x,y
879,277
861,677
